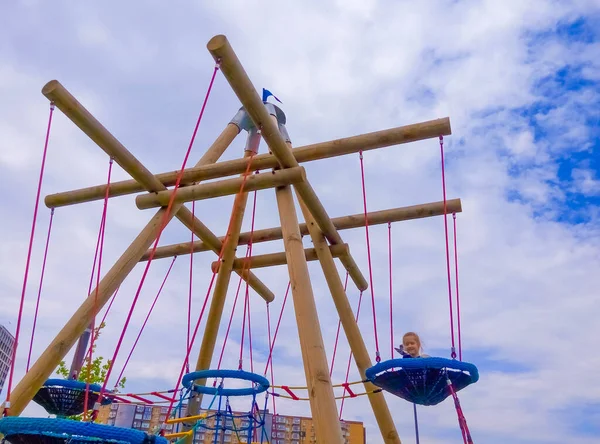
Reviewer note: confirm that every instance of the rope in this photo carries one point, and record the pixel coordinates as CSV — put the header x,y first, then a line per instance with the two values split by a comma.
x,y
189,313
350,357
287,292
27,263
96,334
145,321
416,422
227,237
163,225
337,334
391,290
457,292
462,422
37,303
270,345
100,243
453,350
364,192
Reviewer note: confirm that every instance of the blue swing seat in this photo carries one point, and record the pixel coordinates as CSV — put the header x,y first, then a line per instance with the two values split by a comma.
x,y
66,397
423,381
22,430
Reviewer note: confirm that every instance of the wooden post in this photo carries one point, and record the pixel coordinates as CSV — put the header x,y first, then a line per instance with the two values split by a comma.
x,y
341,223
355,339
75,111
233,71
320,390
253,182
273,259
215,313
322,150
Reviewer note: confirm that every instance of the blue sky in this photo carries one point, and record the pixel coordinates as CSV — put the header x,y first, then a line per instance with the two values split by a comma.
x,y
520,83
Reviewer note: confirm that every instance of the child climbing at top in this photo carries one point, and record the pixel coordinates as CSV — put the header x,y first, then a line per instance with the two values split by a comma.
x,y
411,346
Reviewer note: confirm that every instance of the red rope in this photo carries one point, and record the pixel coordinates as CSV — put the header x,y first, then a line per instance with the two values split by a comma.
x,y
269,360
189,313
164,222
457,293
28,261
37,304
237,293
391,290
270,347
453,350
145,321
364,192
462,421
350,357
227,237
337,334
101,243
106,312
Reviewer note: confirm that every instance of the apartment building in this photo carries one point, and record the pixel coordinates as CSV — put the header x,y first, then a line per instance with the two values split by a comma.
x,y
279,429
7,343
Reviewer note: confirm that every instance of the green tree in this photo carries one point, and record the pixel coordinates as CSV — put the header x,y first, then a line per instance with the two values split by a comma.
x,y
96,371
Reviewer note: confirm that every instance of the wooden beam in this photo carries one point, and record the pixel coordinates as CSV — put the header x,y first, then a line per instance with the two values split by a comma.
x,y
272,259
317,151
75,111
233,71
321,396
341,223
253,182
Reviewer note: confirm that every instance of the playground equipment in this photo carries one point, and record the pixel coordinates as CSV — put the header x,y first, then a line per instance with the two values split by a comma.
x,y
262,121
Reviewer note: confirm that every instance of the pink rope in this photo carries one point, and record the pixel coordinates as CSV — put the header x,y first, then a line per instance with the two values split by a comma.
x,y
237,293
163,225
270,347
364,192
337,334
457,292
146,321
28,261
37,303
189,313
101,237
391,290
287,292
453,350
350,357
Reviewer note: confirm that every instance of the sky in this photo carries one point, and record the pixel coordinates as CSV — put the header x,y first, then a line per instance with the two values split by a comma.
x,y
520,82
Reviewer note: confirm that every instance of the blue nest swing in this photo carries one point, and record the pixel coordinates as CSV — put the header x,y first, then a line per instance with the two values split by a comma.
x,y
422,381
20,430
66,397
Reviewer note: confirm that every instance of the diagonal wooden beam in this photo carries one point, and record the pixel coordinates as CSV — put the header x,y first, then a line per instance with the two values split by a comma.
x,y
316,151
75,111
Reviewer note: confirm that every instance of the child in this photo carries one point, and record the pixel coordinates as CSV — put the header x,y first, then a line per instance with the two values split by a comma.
x,y
411,346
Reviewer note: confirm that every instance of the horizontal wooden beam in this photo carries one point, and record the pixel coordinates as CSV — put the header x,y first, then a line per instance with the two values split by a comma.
x,y
341,223
272,259
317,151
252,182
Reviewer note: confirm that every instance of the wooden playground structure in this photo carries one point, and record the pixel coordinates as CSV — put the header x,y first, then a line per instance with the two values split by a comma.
x,y
279,169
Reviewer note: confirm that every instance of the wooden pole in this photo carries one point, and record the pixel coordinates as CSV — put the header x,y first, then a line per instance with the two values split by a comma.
x,y
355,339
75,111
215,312
253,182
316,369
233,71
341,223
323,150
274,259
322,399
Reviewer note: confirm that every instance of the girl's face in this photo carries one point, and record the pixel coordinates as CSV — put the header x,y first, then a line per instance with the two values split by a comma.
x,y
411,345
